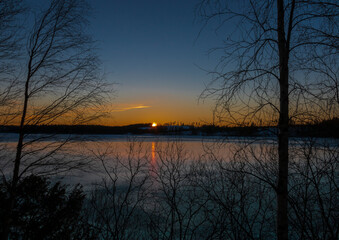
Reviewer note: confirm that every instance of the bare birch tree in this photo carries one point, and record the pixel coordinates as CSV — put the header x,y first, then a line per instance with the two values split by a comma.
x,y
61,84
10,45
278,65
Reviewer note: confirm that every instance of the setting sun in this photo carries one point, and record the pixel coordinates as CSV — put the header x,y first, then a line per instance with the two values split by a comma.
x,y
154,124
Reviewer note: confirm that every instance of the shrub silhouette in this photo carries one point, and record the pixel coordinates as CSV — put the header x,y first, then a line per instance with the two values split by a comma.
x,y
45,210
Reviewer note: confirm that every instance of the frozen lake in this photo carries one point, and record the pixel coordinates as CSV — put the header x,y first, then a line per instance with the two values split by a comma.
x,y
83,158
208,179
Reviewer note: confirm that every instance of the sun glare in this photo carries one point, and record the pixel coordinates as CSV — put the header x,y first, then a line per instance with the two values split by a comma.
x,y
154,124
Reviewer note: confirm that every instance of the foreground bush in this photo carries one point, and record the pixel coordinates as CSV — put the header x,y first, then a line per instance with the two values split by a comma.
x,y
44,210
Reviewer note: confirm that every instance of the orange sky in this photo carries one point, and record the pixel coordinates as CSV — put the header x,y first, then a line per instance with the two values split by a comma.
x,y
159,109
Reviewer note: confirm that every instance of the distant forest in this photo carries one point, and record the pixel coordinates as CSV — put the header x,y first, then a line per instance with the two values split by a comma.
x,y
326,128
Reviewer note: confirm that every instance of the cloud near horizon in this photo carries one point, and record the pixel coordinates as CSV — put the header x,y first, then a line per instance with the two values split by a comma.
x,y
130,108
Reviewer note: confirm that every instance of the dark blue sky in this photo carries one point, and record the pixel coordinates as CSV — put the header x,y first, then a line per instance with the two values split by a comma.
x,y
151,49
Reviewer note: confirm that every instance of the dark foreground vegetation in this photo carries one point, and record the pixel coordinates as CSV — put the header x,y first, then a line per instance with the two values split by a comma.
x,y
44,210
326,128
170,194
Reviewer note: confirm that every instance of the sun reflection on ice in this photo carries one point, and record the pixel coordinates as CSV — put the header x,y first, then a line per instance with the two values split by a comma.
x,y
153,163
153,154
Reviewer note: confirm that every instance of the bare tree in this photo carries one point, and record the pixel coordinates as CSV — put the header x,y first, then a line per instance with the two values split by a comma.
x,y
313,195
241,189
115,206
61,83
9,12
177,204
10,49
279,65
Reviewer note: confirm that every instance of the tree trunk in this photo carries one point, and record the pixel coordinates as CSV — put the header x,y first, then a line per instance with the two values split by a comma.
x,y
283,125
17,161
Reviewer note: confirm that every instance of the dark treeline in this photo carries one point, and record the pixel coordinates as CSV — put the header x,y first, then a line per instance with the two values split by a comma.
x,y
326,128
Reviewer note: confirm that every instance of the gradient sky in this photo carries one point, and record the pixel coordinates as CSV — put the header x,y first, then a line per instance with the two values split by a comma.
x,y
152,51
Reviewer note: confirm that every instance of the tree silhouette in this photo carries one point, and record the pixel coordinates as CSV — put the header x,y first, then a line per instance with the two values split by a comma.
x,y
45,210
10,45
278,64
61,83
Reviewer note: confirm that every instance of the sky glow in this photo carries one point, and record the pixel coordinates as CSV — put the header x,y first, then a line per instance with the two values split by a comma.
x,y
152,51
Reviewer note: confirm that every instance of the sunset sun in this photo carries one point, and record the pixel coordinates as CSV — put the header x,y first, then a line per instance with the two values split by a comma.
x,y
154,124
